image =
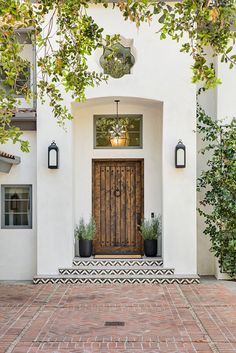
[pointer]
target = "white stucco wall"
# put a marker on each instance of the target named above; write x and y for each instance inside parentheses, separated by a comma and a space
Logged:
(208, 101)
(55, 189)
(206, 261)
(18, 246)
(226, 93)
(160, 73)
(55, 196)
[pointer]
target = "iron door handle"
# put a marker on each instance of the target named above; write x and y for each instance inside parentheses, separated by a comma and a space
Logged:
(117, 193)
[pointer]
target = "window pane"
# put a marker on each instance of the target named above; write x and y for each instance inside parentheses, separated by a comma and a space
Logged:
(17, 206)
(17, 219)
(122, 133)
(134, 139)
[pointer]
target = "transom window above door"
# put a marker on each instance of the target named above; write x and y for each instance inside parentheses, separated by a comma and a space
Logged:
(124, 132)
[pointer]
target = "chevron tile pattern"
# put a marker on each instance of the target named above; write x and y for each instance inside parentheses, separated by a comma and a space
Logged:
(109, 271)
(116, 271)
(106, 280)
(110, 262)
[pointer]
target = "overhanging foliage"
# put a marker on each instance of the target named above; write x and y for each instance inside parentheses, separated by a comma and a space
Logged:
(196, 24)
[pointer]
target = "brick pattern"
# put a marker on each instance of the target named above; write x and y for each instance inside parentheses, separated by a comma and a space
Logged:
(161, 319)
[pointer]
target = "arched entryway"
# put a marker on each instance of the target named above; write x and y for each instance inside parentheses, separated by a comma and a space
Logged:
(118, 186)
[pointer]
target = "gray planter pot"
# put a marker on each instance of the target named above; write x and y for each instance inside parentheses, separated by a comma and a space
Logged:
(150, 248)
(85, 248)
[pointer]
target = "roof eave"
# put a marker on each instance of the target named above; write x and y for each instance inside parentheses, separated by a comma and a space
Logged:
(7, 163)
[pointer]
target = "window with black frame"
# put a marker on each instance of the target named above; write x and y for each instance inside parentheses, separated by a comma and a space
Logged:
(124, 132)
(16, 206)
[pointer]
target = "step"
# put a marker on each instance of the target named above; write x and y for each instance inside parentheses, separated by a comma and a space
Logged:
(105, 279)
(91, 262)
(117, 270)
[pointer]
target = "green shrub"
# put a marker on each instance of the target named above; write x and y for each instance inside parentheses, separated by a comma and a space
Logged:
(218, 186)
(150, 229)
(85, 231)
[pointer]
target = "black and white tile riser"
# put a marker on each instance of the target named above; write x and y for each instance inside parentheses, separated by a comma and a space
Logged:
(121, 271)
(116, 280)
(111, 262)
(109, 271)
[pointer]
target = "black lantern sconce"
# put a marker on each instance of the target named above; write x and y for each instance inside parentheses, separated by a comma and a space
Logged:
(53, 152)
(180, 155)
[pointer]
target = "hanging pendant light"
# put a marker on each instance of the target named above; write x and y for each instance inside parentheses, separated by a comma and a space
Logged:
(118, 136)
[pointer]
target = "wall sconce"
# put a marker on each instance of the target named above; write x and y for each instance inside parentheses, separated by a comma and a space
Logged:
(180, 155)
(53, 152)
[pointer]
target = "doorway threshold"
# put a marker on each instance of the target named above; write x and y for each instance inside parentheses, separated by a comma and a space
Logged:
(117, 256)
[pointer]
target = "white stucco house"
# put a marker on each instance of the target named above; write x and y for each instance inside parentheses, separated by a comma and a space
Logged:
(41, 206)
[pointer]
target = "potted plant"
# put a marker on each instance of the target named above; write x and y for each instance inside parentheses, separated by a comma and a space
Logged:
(150, 230)
(85, 232)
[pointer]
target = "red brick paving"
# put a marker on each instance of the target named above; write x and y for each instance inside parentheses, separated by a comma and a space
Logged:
(158, 319)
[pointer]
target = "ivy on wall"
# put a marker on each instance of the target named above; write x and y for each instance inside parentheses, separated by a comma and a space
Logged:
(218, 183)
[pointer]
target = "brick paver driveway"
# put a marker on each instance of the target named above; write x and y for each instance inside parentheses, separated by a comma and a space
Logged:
(154, 318)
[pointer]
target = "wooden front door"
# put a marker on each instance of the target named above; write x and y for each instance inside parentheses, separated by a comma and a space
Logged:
(118, 205)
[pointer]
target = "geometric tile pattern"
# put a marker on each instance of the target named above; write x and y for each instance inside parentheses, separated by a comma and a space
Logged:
(109, 262)
(109, 280)
(117, 271)
(122, 271)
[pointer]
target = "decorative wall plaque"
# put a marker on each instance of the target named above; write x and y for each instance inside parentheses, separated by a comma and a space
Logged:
(117, 61)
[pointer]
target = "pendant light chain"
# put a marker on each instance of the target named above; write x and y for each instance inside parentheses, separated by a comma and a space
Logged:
(117, 131)
(117, 114)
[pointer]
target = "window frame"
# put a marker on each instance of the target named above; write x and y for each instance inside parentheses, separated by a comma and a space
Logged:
(107, 116)
(3, 187)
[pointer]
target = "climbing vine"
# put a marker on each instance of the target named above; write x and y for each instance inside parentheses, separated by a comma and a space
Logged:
(196, 24)
(218, 182)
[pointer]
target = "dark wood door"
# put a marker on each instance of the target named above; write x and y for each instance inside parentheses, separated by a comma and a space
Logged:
(118, 205)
